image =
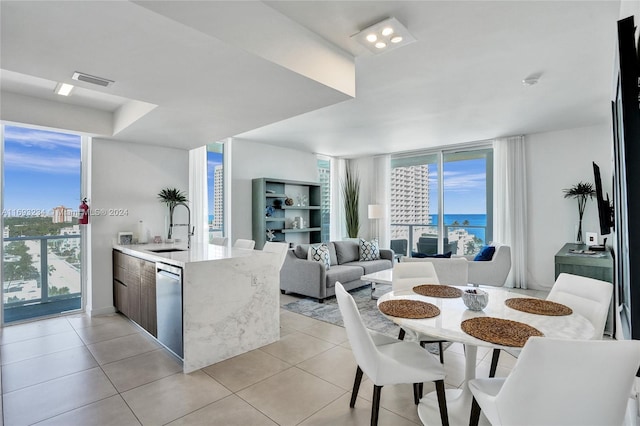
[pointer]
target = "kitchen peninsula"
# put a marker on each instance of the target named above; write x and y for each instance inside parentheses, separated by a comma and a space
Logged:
(230, 297)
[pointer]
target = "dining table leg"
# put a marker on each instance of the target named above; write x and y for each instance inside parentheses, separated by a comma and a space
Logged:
(458, 400)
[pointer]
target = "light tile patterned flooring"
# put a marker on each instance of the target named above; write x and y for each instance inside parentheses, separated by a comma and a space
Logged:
(77, 370)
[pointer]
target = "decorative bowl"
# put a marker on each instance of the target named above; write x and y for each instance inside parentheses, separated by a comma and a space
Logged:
(475, 299)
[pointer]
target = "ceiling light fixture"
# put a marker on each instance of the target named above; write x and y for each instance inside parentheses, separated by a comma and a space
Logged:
(63, 89)
(384, 36)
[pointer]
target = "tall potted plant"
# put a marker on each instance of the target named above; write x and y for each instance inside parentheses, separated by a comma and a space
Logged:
(351, 196)
(171, 197)
(580, 191)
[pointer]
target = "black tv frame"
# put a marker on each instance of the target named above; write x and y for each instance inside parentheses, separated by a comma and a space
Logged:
(626, 180)
(605, 211)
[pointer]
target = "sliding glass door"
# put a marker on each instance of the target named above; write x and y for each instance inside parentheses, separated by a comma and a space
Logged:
(41, 256)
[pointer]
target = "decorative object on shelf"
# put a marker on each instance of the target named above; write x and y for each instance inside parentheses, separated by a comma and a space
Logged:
(580, 191)
(270, 234)
(351, 195)
(268, 211)
(288, 201)
(304, 200)
(270, 191)
(172, 197)
(298, 200)
(294, 225)
(299, 222)
(277, 203)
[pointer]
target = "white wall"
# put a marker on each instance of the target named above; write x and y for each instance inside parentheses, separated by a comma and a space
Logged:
(255, 160)
(127, 176)
(555, 161)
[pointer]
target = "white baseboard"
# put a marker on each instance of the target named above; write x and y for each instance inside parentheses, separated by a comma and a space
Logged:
(101, 311)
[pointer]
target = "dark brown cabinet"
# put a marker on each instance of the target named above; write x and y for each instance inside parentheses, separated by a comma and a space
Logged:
(134, 290)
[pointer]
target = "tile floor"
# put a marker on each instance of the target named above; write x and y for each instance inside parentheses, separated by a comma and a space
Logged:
(77, 370)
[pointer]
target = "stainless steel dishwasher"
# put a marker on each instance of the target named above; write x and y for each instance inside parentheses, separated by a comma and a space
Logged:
(169, 306)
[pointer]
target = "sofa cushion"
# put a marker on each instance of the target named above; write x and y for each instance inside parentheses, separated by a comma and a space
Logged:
(319, 253)
(486, 254)
(370, 266)
(332, 254)
(369, 250)
(347, 251)
(343, 273)
(302, 251)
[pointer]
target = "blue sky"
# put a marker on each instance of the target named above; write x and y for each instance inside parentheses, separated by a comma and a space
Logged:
(41, 169)
(465, 189)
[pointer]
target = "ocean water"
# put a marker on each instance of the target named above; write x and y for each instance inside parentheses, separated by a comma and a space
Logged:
(474, 220)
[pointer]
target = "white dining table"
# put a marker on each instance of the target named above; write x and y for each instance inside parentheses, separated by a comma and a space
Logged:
(447, 327)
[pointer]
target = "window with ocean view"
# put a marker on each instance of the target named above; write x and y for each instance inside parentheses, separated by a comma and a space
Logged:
(215, 185)
(41, 258)
(463, 180)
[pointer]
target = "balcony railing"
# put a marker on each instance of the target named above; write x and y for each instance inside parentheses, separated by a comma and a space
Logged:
(463, 239)
(42, 276)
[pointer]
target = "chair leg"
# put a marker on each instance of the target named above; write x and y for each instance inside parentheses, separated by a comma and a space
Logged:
(416, 393)
(375, 405)
(475, 413)
(442, 402)
(494, 362)
(401, 335)
(356, 387)
(441, 352)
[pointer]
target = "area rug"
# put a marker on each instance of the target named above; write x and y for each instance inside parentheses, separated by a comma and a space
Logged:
(371, 316)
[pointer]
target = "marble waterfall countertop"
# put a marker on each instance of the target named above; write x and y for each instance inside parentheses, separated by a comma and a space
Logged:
(230, 298)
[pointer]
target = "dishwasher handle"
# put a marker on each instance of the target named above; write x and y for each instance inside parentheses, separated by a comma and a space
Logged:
(168, 270)
(169, 275)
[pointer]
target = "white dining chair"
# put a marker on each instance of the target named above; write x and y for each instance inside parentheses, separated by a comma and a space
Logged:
(279, 248)
(219, 241)
(561, 382)
(387, 361)
(405, 276)
(585, 296)
(244, 244)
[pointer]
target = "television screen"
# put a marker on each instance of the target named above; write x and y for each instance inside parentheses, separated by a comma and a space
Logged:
(604, 206)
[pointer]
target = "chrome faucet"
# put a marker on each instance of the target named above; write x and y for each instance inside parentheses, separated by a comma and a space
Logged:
(190, 231)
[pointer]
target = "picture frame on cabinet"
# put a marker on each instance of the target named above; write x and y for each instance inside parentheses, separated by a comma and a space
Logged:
(125, 238)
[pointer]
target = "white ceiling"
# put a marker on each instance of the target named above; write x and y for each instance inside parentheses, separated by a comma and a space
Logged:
(217, 69)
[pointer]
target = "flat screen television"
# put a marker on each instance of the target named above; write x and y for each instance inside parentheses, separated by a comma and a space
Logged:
(605, 212)
(626, 182)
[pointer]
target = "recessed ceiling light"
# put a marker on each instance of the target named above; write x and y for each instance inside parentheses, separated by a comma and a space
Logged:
(531, 80)
(396, 38)
(372, 38)
(387, 31)
(63, 89)
(381, 45)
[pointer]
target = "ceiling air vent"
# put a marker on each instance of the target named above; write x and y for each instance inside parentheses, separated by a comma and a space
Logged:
(80, 76)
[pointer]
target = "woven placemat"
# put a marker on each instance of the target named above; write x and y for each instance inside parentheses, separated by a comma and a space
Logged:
(538, 306)
(405, 308)
(433, 290)
(499, 331)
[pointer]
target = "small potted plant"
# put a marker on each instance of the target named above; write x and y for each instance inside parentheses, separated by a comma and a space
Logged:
(171, 197)
(580, 191)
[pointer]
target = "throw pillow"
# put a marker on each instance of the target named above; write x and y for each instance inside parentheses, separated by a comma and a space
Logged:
(485, 254)
(320, 254)
(369, 250)
(446, 255)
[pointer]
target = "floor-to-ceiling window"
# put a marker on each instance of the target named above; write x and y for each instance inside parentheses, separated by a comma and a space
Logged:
(441, 201)
(324, 177)
(215, 184)
(41, 261)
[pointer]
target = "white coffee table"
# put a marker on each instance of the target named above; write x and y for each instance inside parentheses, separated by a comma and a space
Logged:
(384, 278)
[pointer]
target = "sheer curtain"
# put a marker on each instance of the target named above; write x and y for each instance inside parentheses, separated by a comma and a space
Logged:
(381, 194)
(198, 197)
(336, 218)
(510, 204)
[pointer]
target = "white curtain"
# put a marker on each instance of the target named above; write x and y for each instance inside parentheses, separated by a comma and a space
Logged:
(336, 218)
(198, 197)
(510, 204)
(381, 194)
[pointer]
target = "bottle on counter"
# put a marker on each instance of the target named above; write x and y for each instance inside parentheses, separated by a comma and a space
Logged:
(142, 233)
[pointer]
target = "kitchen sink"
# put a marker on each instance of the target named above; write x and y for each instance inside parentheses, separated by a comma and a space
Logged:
(166, 250)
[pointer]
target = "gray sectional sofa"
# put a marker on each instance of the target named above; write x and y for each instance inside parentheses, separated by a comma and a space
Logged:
(309, 278)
